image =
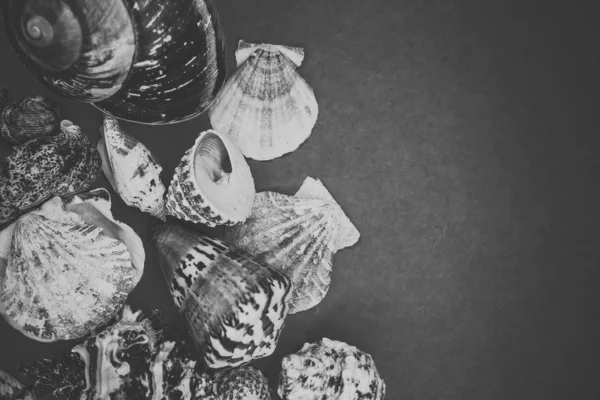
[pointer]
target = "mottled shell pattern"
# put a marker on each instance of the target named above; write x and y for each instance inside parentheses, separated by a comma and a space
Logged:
(331, 370)
(265, 107)
(233, 306)
(59, 165)
(64, 270)
(128, 359)
(28, 118)
(212, 184)
(131, 169)
(299, 235)
(12, 389)
(242, 383)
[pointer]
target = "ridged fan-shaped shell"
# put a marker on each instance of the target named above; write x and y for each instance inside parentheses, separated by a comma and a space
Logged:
(332, 370)
(244, 382)
(265, 107)
(28, 118)
(12, 389)
(298, 235)
(63, 276)
(59, 165)
(131, 169)
(212, 184)
(234, 307)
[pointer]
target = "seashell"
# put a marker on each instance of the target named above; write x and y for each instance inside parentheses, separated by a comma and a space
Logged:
(60, 165)
(12, 389)
(330, 370)
(213, 184)
(27, 119)
(299, 235)
(266, 107)
(127, 359)
(67, 268)
(143, 61)
(131, 170)
(244, 382)
(233, 306)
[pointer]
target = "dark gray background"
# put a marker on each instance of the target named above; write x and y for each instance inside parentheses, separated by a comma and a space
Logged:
(461, 137)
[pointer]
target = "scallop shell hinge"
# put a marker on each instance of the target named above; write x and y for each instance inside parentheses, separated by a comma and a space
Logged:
(298, 234)
(266, 107)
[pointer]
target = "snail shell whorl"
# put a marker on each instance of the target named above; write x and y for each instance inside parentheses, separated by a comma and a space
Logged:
(82, 49)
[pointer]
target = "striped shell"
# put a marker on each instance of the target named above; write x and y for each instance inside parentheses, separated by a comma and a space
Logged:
(60, 165)
(213, 184)
(331, 370)
(243, 382)
(28, 118)
(265, 107)
(67, 270)
(12, 389)
(131, 169)
(299, 235)
(234, 307)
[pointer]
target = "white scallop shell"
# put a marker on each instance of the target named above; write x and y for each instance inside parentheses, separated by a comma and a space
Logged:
(266, 107)
(332, 370)
(299, 235)
(67, 269)
(212, 184)
(131, 169)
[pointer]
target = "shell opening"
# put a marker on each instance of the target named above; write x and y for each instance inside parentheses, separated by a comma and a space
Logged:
(212, 158)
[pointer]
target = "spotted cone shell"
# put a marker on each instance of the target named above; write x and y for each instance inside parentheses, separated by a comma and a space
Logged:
(266, 107)
(332, 370)
(213, 184)
(234, 307)
(299, 235)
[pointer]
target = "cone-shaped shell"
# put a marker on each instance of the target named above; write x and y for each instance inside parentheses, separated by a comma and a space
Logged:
(244, 382)
(234, 307)
(331, 370)
(60, 165)
(212, 184)
(12, 389)
(28, 118)
(131, 169)
(298, 234)
(266, 107)
(64, 276)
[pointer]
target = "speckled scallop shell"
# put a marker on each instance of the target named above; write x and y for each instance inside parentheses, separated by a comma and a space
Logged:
(128, 359)
(12, 389)
(242, 383)
(299, 235)
(266, 107)
(28, 118)
(213, 184)
(67, 269)
(131, 169)
(331, 370)
(233, 306)
(59, 165)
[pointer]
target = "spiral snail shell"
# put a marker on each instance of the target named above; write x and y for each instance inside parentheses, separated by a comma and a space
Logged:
(152, 62)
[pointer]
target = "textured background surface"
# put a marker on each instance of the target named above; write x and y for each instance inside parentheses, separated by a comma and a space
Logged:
(461, 137)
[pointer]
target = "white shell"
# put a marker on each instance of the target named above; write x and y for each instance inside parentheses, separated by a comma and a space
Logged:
(213, 184)
(67, 269)
(266, 107)
(299, 235)
(131, 169)
(332, 370)
(12, 389)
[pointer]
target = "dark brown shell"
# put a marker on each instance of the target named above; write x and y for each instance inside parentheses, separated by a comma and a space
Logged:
(28, 118)
(151, 62)
(59, 165)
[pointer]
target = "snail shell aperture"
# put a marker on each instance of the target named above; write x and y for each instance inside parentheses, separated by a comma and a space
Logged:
(142, 61)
